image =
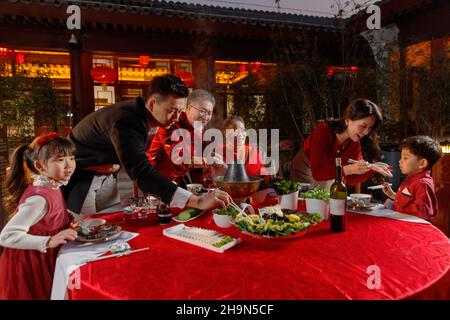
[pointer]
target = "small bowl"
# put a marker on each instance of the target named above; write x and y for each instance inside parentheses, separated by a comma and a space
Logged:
(361, 199)
(222, 220)
(89, 227)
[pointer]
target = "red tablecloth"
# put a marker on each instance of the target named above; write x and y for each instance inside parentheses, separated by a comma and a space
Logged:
(414, 260)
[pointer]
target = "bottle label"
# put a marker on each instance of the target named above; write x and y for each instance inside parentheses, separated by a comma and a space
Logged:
(337, 207)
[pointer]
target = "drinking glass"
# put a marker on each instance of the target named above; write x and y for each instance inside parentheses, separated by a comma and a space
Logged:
(142, 208)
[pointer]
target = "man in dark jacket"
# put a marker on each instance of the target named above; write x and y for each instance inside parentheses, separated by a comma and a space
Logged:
(119, 135)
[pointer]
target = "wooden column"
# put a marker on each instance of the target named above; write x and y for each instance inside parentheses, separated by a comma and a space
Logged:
(205, 78)
(81, 81)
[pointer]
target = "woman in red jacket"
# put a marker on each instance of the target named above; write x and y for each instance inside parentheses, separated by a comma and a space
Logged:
(315, 163)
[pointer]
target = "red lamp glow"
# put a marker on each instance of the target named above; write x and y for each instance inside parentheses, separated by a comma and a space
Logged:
(144, 60)
(187, 77)
(5, 51)
(104, 74)
(20, 58)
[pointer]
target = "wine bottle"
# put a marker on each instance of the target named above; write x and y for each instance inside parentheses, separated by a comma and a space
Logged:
(338, 201)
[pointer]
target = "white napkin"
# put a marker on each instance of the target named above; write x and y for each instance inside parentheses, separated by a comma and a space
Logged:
(72, 255)
(381, 211)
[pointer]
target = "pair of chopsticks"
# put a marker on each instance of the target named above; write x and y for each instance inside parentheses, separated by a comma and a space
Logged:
(119, 254)
(376, 164)
(234, 205)
(380, 186)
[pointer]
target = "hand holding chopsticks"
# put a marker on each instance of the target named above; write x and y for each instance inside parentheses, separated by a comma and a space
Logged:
(382, 168)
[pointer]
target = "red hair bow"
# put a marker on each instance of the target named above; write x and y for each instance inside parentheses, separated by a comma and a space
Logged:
(45, 139)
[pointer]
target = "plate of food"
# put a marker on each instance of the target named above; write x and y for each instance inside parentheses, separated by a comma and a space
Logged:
(276, 224)
(102, 233)
(188, 215)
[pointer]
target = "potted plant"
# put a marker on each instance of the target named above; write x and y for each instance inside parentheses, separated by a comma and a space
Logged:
(288, 192)
(317, 201)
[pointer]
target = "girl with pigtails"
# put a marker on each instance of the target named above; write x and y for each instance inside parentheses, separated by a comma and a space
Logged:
(39, 223)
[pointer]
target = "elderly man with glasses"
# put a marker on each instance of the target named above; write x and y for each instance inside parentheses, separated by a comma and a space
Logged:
(200, 107)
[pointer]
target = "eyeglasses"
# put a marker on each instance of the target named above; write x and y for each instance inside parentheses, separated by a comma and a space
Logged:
(202, 112)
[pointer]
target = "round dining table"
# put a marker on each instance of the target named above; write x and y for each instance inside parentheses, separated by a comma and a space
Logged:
(375, 258)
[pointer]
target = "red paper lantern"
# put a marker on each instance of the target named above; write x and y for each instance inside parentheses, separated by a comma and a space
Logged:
(144, 60)
(330, 72)
(20, 58)
(104, 74)
(187, 77)
(242, 68)
(354, 69)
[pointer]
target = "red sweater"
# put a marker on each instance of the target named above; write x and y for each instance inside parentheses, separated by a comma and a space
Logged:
(162, 145)
(416, 196)
(322, 149)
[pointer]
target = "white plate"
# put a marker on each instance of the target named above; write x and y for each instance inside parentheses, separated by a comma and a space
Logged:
(199, 237)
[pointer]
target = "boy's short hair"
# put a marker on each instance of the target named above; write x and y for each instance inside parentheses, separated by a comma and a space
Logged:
(167, 85)
(423, 147)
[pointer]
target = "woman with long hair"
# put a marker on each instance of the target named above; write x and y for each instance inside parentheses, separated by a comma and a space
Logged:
(341, 138)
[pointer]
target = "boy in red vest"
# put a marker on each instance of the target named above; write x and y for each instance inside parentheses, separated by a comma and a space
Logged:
(416, 194)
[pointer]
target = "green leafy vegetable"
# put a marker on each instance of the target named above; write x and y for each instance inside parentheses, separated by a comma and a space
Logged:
(286, 187)
(321, 194)
(230, 211)
(293, 223)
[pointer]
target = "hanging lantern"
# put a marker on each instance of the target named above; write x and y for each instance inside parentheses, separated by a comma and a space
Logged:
(330, 72)
(104, 75)
(242, 68)
(187, 77)
(144, 60)
(20, 58)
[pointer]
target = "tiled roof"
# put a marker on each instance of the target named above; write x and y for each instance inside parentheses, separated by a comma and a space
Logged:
(196, 11)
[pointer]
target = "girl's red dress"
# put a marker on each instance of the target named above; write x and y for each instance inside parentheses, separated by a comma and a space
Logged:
(28, 274)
